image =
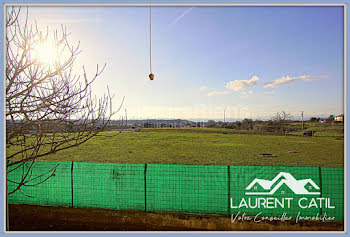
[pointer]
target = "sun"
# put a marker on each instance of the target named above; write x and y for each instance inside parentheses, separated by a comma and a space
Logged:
(45, 52)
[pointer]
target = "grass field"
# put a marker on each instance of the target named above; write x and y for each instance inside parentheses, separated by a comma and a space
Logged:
(324, 130)
(200, 146)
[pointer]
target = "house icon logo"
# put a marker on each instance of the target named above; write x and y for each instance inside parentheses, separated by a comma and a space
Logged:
(267, 187)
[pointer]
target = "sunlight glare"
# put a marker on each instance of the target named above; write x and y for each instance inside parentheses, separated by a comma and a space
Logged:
(46, 52)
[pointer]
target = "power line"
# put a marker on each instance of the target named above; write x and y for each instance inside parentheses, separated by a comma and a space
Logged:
(225, 114)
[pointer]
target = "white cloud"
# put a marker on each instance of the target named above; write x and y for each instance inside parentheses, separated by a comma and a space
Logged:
(269, 92)
(245, 94)
(288, 80)
(203, 88)
(214, 93)
(238, 85)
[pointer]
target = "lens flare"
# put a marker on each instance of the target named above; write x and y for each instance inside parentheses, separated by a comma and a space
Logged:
(46, 52)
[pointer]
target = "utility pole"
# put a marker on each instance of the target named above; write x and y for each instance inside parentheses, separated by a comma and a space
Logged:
(302, 120)
(225, 114)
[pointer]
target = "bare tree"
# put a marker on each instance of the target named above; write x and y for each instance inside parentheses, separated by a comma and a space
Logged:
(49, 108)
(281, 118)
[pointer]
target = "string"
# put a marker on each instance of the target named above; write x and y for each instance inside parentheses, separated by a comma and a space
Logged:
(150, 41)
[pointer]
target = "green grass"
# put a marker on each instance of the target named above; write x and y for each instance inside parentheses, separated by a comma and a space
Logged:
(176, 147)
(211, 130)
(324, 129)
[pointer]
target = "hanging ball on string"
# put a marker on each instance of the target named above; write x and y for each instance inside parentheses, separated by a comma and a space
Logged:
(151, 76)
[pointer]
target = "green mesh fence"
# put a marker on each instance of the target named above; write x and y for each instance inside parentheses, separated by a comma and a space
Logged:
(104, 185)
(332, 179)
(187, 188)
(210, 189)
(285, 180)
(54, 190)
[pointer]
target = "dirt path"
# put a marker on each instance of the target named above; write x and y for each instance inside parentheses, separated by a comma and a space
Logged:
(53, 218)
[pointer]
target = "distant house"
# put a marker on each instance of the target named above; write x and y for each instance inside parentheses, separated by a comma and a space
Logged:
(322, 120)
(339, 118)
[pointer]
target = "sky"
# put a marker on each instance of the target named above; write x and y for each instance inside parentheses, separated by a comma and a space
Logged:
(251, 62)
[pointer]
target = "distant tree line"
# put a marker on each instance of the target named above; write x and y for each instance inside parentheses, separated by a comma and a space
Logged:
(329, 119)
(281, 123)
(275, 126)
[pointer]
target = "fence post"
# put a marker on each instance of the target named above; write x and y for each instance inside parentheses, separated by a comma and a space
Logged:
(71, 172)
(320, 176)
(145, 187)
(229, 189)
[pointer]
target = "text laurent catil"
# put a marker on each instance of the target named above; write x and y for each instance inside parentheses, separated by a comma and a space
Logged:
(262, 202)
